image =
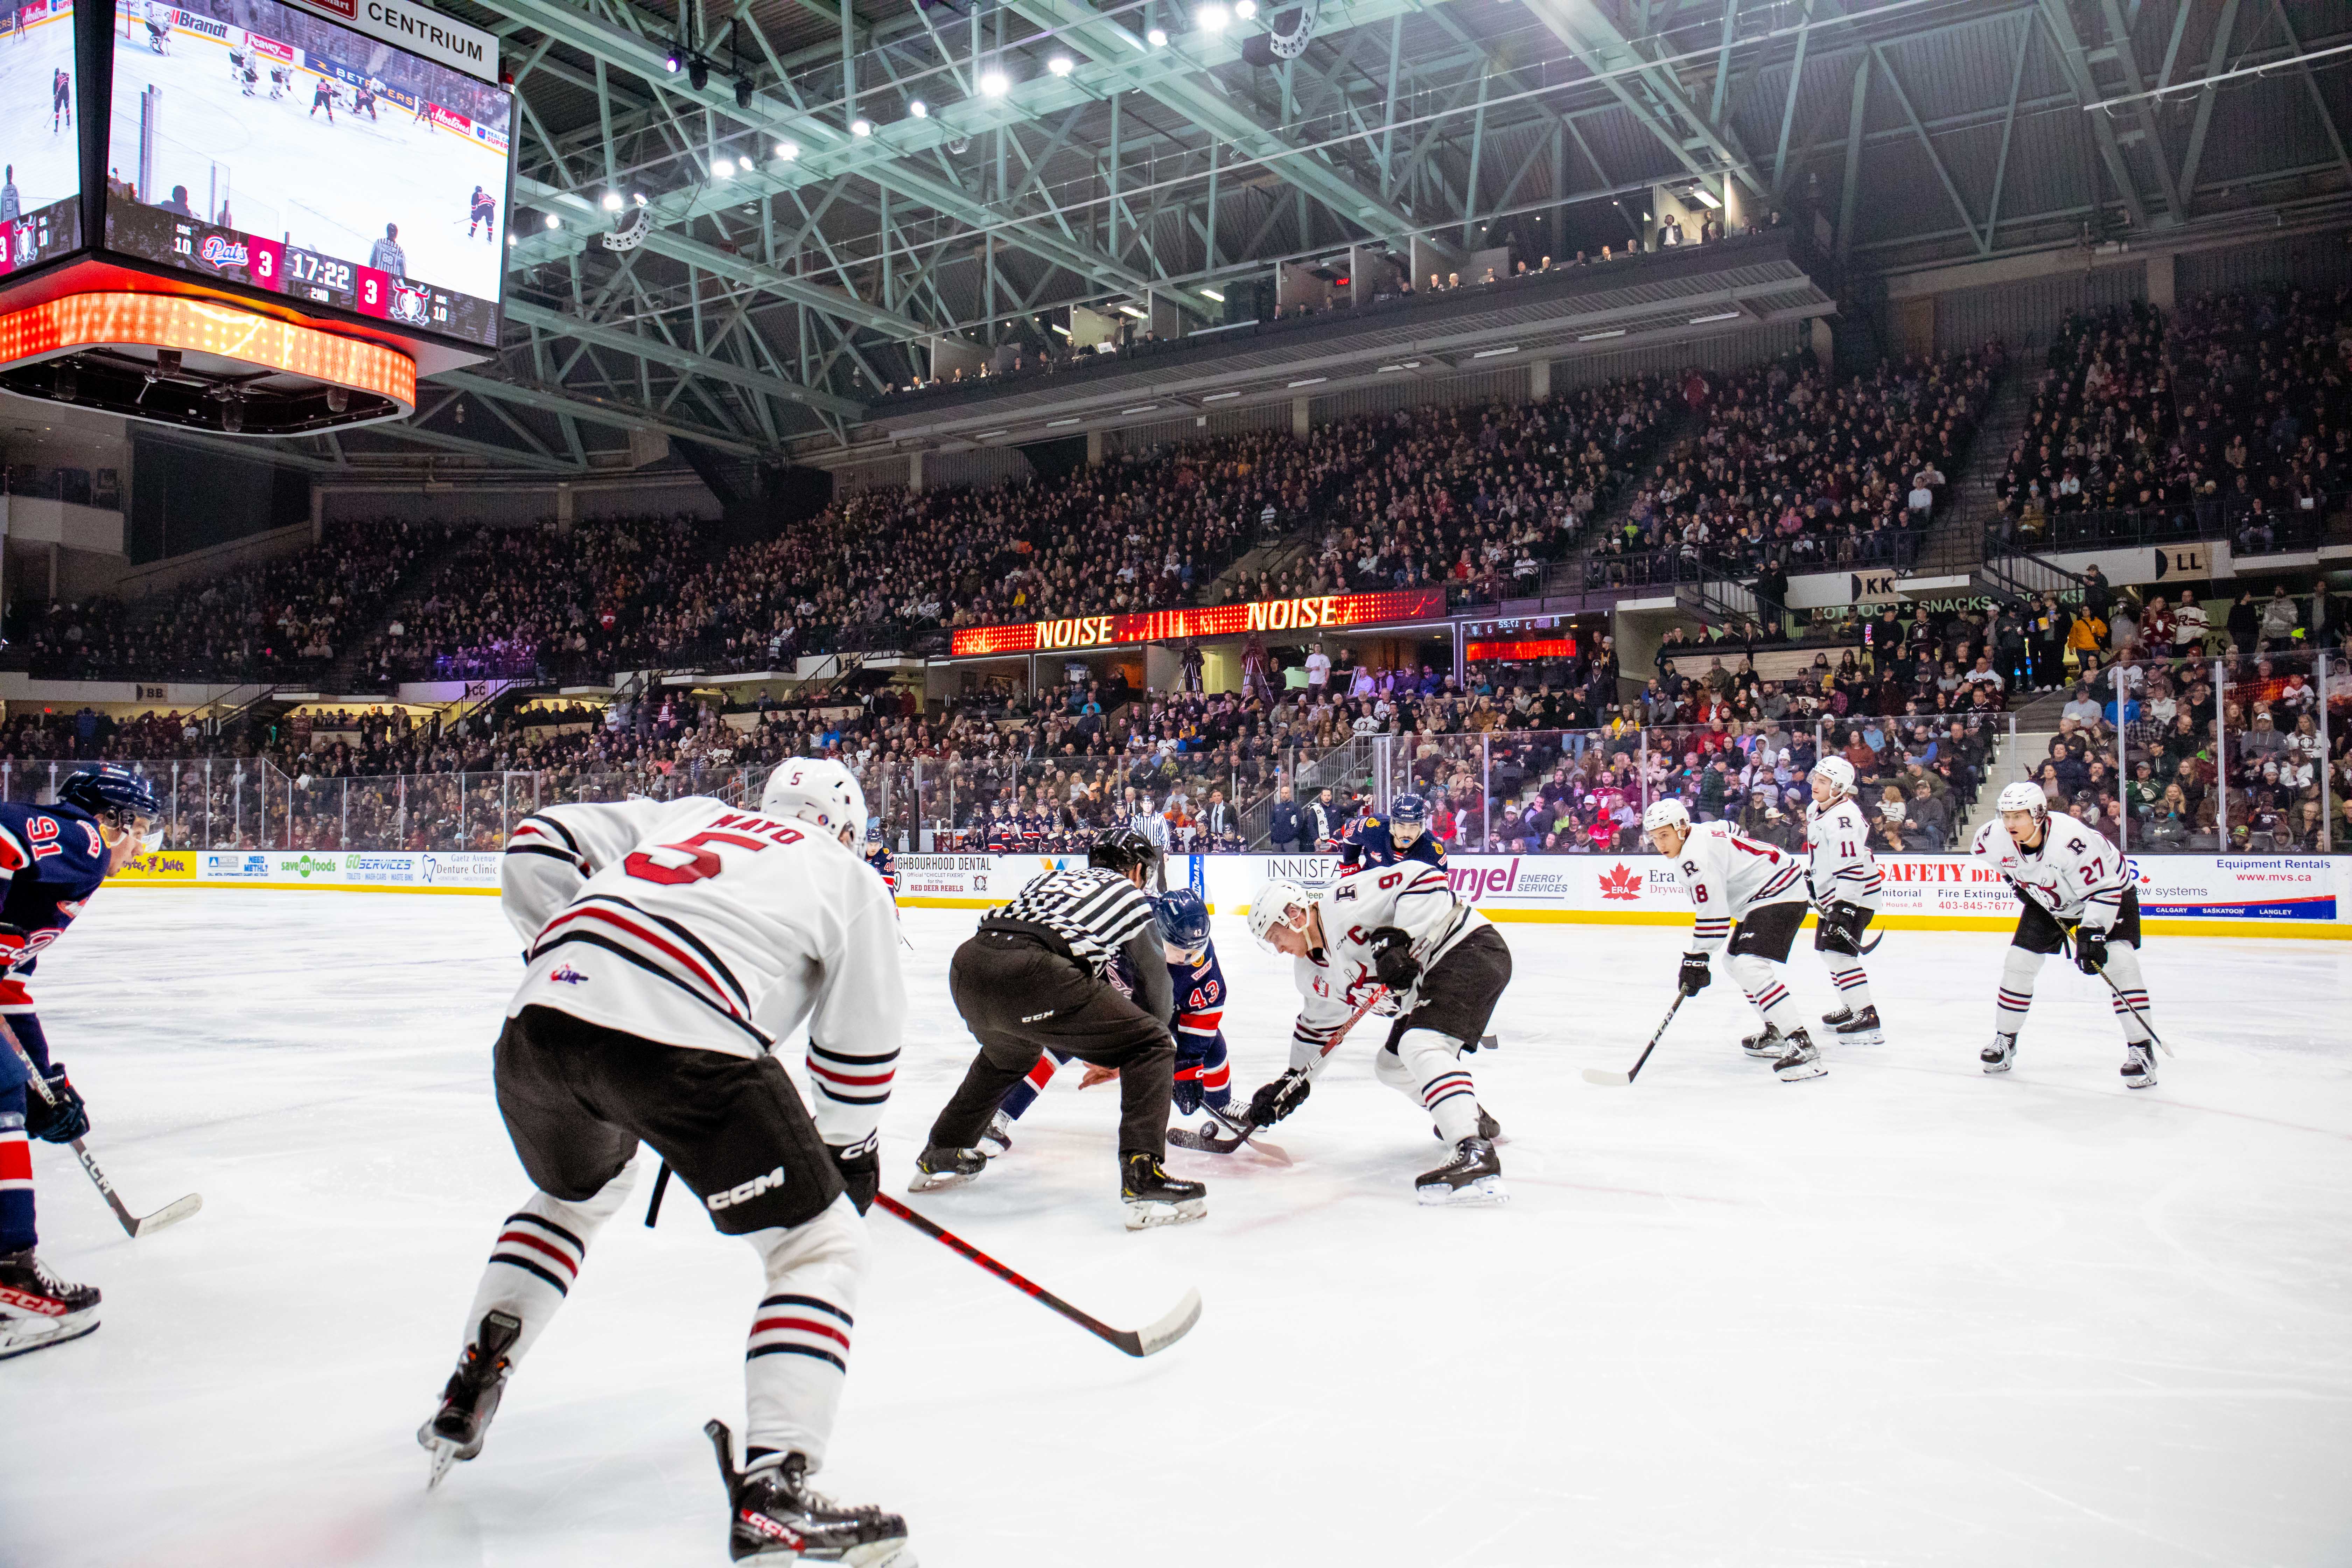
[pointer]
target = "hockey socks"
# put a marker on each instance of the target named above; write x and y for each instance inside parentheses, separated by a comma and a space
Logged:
(2130, 994)
(1427, 1067)
(2018, 971)
(538, 1254)
(17, 1227)
(1023, 1095)
(1760, 979)
(798, 1352)
(1852, 983)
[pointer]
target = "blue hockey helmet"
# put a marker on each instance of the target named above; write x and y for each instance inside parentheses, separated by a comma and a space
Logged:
(114, 796)
(1411, 813)
(1182, 917)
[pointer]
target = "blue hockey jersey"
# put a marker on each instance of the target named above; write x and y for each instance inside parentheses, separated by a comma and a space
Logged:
(53, 858)
(1366, 841)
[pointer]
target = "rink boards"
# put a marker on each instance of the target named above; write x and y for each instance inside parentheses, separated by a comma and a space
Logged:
(2181, 895)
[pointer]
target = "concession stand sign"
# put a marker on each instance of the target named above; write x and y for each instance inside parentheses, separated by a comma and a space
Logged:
(1312, 613)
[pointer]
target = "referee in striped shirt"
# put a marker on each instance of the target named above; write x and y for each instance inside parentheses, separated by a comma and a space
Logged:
(1037, 975)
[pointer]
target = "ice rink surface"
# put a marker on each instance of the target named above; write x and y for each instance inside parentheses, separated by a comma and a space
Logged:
(1902, 1314)
(47, 161)
(288, 173)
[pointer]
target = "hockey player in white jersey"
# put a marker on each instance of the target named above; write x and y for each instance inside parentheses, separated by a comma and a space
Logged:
(1397, 929)
(2071, 880)
(1845, 882)
(1750, 899)
(671, 945)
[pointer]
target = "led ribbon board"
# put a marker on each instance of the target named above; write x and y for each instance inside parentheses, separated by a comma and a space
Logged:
(105, 321)
(1314, 612)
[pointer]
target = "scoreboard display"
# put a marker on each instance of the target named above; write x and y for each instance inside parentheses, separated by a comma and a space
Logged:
(271, 149)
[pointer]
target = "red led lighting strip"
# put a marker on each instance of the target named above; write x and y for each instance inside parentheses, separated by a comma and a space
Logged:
(1311, 612)
(205, 326)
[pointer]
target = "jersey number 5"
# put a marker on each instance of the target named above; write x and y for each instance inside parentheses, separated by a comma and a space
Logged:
(701, 861)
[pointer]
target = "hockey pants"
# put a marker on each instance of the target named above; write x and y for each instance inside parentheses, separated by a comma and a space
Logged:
(19, 1231)
(798, 1352)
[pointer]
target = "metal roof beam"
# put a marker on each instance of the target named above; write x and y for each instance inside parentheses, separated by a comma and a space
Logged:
(2055, 17)
(623, 340)
(594, 410)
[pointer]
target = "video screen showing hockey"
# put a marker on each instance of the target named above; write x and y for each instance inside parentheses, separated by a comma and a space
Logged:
(40, 212)
(261, 146)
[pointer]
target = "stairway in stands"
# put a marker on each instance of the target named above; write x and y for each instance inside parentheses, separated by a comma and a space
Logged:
(348, 671)
(1956, 542)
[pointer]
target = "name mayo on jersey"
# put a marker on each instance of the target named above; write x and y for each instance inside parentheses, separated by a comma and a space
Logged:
(1842, 867)
(1727, 875)
(695, 923)
(1417, 899)
(2075, 873)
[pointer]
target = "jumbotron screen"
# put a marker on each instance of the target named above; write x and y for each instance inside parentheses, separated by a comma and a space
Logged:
(263, 146)
(40, 199)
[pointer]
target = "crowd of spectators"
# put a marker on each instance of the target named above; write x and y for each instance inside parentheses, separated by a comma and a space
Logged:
(2228, 420)
(283, 619)
(1788, 471)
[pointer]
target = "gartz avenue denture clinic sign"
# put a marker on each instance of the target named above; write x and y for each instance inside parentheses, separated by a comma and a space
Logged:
(1310, 614)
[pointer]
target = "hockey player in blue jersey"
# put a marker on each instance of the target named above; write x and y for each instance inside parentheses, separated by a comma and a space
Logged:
(884, 864)
(1198, 984)
(52, 858)
(1404, 836)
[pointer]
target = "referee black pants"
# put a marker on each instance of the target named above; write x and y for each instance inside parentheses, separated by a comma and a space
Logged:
(1020, 998)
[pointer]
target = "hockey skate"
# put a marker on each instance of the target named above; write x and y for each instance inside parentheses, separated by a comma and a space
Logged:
(937, 1167)
(776, 1516)
(2139, 1065)
(1771, 1045)
(38, 1310)
(1861, 1028)
(1489, 1127)
(998, 1140)
(1997, 1056)
(1474, 1175)
(472, 1397)
(1802, 1062)
(1153, 1197)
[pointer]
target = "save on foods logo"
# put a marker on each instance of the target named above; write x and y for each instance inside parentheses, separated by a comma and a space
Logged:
(1618, 882)
(305, 868)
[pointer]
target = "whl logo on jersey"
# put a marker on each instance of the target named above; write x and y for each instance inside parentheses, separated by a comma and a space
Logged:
(745, 1192)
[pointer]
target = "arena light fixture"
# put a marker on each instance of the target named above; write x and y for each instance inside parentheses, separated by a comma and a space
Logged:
(723, 167)
(673, 60)
(1158, 38)
(1496, 354)
(1061, 65)
(1717, 316)
(1704, 197)
(612, 201)
(1212, 18)
(1311, 381)
(1132, 311)
(554, 222)
(1140, 409)
(1244, 9)
(1057, 424)
(985, 435)
(697, 73)
(787, 151)
(742, 92)
(1596, 337)
(861, 126)
(1219, 396)
(995, 83)
(1213, 294)
(919, 109)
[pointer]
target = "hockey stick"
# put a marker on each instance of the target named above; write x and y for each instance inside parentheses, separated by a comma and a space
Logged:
(2131, 1006)
(1243, 1128)
(1619, 1080)
(1150, 1340)
(653, 1204)
(133, 1224)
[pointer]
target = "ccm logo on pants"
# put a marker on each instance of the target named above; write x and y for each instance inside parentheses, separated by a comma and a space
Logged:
(747, 1191)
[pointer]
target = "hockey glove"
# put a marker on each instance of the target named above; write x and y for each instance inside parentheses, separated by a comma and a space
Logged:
(1837, 922)
(1186, 1092)
(59, 1122)
(1697, 974)
(1392, 958)
(2090, 949)
(1275, 1100)
(860, 1166)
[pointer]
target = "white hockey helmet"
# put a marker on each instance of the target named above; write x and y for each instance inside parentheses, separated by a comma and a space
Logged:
(1669, 812)
(817, 790)
(1837, 774)
(1278, 903)
(2024, 796)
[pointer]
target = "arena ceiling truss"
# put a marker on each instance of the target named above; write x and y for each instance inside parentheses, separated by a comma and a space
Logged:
(823, 190)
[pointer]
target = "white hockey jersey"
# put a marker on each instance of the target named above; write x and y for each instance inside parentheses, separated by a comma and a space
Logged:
(1727, 877)
(1844, 868)
(1416, 899)
(700, 924)
(2076, 874)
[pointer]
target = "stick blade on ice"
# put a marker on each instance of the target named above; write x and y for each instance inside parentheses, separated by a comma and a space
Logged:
(171, 1213)
(1604, 1077)
(1154, 1338)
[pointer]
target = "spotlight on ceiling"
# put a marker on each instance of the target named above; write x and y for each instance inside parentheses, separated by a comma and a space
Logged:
(1061, 65)
(1212, 18)
(995, 83)
(1158, 38)
(919, 109)
(742, 92)
(673, 60)
(1244, 9)
(612, 201)
(554, 222)
(723, 167)
(861, 126)
(788, 151)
